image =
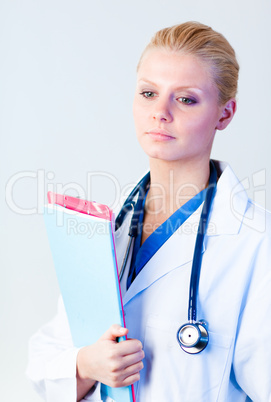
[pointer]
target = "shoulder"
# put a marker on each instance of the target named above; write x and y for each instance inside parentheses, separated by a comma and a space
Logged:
(233, 210)
(241, 227)
(259, 217)
(238, 221)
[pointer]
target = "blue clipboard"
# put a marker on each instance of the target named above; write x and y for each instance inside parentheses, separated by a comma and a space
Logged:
(81, 238)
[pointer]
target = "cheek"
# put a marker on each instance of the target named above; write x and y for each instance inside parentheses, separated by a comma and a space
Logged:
(139, 115)
(135, 111)
(200, 123)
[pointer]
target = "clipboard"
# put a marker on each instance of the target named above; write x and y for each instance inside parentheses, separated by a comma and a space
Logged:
(81, 238)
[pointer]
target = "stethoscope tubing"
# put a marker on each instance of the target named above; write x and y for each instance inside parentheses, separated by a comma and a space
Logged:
(193, 337)
(125, 258)
(129, 204)
(197, 257)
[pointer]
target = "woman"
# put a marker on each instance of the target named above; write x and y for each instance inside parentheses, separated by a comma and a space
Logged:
(186, 90)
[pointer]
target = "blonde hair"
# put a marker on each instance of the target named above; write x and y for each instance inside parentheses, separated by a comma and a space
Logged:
(202, 41)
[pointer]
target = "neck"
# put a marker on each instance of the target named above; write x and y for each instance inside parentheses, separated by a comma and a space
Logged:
(174, 183)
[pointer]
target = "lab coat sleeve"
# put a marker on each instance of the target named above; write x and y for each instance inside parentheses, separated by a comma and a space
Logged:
(252, 357)
(52, 362)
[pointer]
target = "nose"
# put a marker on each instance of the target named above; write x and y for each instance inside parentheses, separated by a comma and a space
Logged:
(162, 111)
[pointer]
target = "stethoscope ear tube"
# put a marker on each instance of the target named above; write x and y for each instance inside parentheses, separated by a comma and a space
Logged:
(128, 204)
(125, 258)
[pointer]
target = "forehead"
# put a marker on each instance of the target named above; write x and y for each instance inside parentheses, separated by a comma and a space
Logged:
(174, 67)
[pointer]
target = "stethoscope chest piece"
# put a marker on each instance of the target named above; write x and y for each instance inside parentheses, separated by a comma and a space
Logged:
(193, 337)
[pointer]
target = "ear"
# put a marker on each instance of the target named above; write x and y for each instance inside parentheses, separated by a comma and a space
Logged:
(227, 113)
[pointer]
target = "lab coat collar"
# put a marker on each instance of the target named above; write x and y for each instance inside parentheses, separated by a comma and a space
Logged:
(226, 217)
(229, 205)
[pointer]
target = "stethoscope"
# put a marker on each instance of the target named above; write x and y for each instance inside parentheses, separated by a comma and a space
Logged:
(193, 336)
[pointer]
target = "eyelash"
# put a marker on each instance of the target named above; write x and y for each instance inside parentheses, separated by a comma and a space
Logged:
(144, 94)
(184, 98)
(190, 101)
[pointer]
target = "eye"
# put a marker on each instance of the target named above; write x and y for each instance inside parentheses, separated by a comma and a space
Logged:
(186, 101)
(147, 94)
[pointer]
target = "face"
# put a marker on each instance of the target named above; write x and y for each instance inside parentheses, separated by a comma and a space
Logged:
(176, 109)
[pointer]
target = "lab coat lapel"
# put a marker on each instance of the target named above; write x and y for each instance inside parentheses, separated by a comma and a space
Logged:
(226, 217)
(175, 252)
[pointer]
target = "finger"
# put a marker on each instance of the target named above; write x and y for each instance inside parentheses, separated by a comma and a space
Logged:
(124, 362)
(133, 369)
(131, 379)
(132, 359)
(129, 347)
(114, 332)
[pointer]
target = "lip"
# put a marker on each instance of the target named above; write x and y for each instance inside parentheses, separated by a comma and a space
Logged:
(159, 134)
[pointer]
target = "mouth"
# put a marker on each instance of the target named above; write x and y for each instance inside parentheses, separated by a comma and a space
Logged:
(160, 134)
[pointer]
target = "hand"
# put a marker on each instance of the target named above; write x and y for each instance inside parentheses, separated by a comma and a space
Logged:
(113, 363)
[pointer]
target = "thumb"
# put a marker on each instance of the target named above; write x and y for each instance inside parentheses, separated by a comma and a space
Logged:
(115, 331)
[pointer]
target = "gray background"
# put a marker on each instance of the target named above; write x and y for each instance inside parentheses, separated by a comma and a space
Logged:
(67, 76)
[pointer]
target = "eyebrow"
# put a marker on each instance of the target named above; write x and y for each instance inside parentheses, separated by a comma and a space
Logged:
(176, 89)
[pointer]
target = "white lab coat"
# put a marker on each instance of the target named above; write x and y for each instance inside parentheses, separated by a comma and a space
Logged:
(234, 299)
